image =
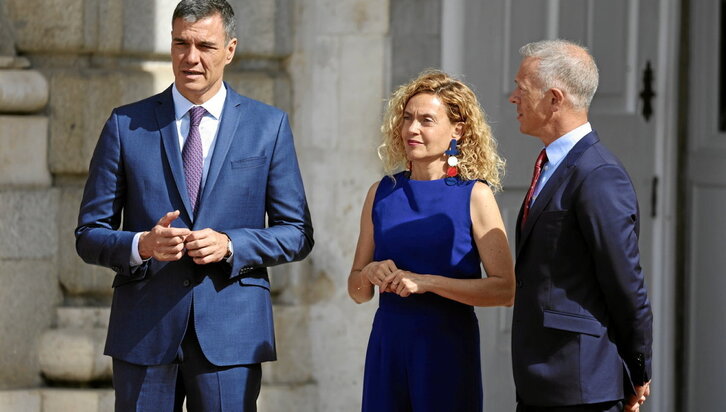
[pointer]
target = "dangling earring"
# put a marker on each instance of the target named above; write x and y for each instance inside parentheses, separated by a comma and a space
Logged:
(452, 161)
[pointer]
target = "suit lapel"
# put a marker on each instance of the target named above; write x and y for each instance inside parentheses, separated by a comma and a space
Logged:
(228, 129)
(550, 188)
(165, 116)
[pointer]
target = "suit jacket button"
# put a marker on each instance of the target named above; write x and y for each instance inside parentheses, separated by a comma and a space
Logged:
(186, 283)
(519, 283)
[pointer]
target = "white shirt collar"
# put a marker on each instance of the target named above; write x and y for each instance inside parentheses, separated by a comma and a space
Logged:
(558, 149)
(213, 106)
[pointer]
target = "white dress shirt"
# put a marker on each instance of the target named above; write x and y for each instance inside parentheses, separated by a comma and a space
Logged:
(208, 128)
(556, 152)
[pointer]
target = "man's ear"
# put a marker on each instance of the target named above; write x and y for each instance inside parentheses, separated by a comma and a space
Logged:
(231, 47)
(556, 98)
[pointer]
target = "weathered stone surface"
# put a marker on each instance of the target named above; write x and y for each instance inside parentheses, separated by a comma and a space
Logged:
(74, 355)
(258, 27)
(20, 400)
(352, 17)
(28, 297)
(258, 86)
(27, 218)
(276, 398)
(83, 317)
(339, 329)
(358, 89)
(293, 364)
(77, 277)
(24, 154)
(81, 102)
(22, 91)
(43, 25)
(77, 400)
(7, 46)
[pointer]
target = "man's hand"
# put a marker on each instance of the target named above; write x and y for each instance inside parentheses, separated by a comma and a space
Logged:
(632, 404)
(163, 242)
(206, 246)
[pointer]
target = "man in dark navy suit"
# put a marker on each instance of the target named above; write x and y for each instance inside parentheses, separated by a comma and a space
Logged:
(582, 323)
(207, 185)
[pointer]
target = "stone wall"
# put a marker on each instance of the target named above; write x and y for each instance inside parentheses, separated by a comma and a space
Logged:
(70, 62)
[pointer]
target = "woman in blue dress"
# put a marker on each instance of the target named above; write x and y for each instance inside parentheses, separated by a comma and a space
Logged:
(425, 233)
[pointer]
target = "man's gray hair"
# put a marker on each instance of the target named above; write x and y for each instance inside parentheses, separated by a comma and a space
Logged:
(566, 66)
(193, 10)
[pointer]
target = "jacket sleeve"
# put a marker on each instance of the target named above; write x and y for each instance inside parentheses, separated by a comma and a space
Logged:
(289, 233)
(97, 239)
(607, 212)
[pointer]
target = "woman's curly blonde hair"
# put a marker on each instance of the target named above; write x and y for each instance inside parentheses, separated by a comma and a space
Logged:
(478, 159)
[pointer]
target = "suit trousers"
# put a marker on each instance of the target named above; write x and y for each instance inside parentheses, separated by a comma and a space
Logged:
(614, 406)
(206, 387)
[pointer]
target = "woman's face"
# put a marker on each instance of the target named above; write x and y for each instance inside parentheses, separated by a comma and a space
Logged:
(426, 129)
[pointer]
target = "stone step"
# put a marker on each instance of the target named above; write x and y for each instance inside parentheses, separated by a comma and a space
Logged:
(56, 400)
(273, 398)
(73, 352)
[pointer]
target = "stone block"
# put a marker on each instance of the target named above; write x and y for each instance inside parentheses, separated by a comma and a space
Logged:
(275, 398)
(258, 86)
(262, 27)
(24, 154)
(22, 91)
(83, 317)
(45, 25)
(81, 102)
(74, 355)
(339, 329)
(20, 400)
(77, 400)
(362, 80)
(293, 364)
(76, 276)
(28, 221)
(147, 26)
(352, 17)
(28, 297)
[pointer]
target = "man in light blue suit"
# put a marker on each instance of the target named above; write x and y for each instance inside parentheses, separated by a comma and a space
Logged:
(207, 186)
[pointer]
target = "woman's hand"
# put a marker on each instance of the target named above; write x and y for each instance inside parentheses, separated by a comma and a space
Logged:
(404, 283)
(379, 273)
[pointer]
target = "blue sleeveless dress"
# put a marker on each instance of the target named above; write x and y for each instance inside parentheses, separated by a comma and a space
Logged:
(423, 352)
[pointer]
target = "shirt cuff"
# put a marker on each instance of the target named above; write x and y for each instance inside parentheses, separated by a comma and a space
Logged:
(231, 251)
(135, 255)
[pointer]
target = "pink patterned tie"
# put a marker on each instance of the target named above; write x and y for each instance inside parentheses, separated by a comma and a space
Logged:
(192, 156)
(541, 160)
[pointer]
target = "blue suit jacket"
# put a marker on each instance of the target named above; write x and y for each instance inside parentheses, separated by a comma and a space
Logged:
(136, 176)
(582, 323)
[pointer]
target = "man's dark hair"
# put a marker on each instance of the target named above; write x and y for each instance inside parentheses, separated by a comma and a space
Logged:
(193, 10)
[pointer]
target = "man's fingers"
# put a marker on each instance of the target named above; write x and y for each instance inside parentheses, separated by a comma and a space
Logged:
(166, 220)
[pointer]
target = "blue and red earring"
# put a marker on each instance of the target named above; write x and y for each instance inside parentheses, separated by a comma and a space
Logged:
(452, 161)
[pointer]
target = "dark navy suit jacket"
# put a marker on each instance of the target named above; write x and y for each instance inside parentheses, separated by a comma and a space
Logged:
(253, 193)
(582, 323)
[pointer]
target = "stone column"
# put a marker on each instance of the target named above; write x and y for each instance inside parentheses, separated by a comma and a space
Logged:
(340, 73)
(28, 208)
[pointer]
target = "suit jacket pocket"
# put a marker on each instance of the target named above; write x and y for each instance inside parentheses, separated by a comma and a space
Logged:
(571, 322)
(249, 162)
(256, 279)
(120, 279)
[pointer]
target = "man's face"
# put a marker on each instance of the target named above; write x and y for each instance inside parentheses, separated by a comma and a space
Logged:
(532, 107)
(199, 52)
